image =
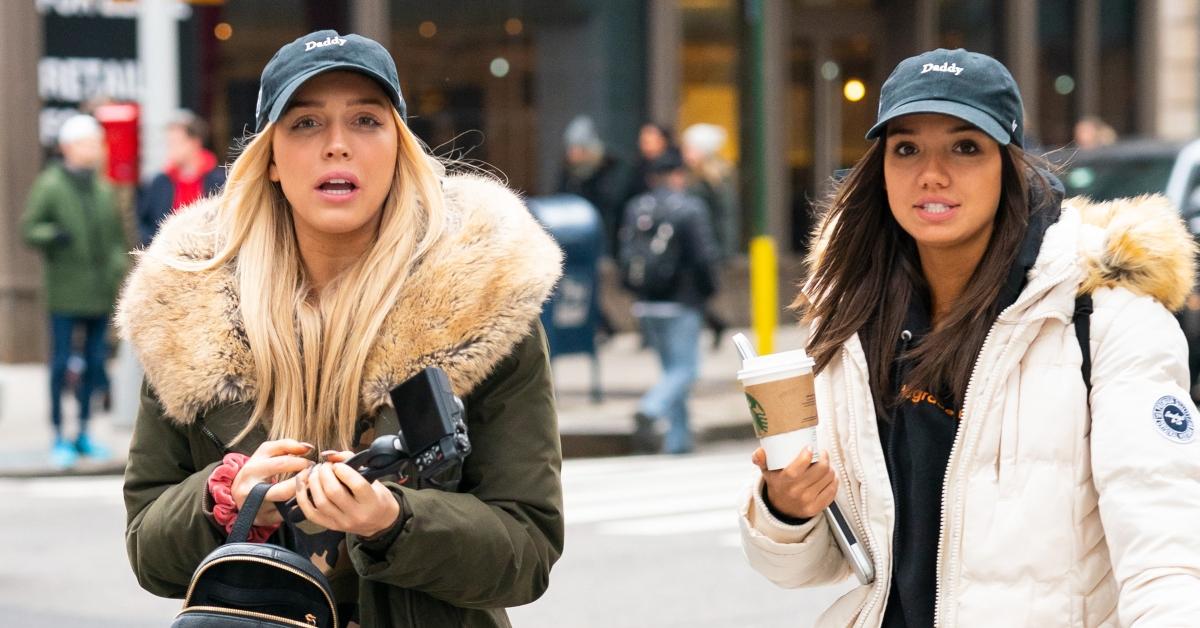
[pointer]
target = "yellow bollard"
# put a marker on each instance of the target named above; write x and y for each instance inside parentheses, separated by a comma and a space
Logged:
(764, 292)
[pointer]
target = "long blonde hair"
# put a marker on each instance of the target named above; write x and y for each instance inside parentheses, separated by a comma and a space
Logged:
(309, 357)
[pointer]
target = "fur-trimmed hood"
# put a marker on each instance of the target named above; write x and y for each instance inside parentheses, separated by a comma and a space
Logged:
(464, 308)
(1140, 244)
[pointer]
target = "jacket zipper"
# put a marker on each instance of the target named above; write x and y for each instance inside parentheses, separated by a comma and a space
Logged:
(881, 575)
(959, 439)
(191, 587)
(220, 610)
(213, 437)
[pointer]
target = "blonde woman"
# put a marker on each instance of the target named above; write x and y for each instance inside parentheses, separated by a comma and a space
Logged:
(273, 320)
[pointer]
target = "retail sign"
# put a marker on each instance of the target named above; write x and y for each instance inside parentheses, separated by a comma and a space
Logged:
(89, 57)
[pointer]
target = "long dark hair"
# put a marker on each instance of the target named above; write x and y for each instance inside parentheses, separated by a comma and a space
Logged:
(864, 270)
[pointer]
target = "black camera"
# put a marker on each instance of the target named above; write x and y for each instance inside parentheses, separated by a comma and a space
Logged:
(432, 438)
(433, 430)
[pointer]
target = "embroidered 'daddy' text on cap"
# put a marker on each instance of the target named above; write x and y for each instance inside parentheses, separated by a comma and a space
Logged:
(967, 85)
(317, 53)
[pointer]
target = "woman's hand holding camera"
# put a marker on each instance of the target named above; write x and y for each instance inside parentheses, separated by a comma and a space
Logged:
(801, 489)
(272, 458)
(335, 496)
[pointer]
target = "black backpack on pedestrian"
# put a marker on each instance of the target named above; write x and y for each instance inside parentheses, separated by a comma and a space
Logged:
(256, 585)
(651, 259)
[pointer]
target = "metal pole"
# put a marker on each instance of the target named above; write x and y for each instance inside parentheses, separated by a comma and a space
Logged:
(1022, 56)
(158, 58)
(1087, 58)
(764, 271)
(372, 18)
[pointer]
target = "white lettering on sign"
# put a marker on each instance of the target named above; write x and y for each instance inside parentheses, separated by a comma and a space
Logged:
(75, 79)
(123, 9)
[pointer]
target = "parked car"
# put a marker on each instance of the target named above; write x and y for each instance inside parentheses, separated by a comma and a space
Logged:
(1134, 167)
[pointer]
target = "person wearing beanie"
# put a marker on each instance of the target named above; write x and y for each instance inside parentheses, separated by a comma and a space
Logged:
(73, 221)
(274, 319)
(191, 173)
(1002, 389)
(591, 171)
(714, 180)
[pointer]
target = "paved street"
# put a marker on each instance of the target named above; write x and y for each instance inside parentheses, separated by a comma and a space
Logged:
(651, 541)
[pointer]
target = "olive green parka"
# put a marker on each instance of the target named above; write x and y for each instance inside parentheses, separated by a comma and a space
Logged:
(470, 307)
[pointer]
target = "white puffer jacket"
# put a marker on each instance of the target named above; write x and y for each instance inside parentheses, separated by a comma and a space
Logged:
(1051, 516)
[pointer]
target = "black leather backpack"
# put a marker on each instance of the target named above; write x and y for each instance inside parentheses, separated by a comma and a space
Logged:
(256, 585)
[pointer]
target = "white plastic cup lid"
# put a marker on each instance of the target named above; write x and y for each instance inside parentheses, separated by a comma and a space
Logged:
(774, 362)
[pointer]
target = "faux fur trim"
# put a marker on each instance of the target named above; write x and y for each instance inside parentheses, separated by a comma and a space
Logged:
(1140, 244)
(464, 307)
(1146, 248)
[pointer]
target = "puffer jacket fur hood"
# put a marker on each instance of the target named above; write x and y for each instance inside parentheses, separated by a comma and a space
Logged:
(1060, 507)
(464, 308)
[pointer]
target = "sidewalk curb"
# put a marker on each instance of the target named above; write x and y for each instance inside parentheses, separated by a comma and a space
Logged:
(114, 467)
(576, 443)
(582, 443)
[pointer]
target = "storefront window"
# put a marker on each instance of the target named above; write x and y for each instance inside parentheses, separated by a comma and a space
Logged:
(835, 82)
(1118, 105)
(709, 92)
(467, 68)
(977, 25)
(1057, 74)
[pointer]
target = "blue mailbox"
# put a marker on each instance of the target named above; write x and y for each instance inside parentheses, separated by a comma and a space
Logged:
(573, 312)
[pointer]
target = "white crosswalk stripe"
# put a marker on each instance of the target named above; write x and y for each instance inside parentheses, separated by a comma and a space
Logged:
(657, 495)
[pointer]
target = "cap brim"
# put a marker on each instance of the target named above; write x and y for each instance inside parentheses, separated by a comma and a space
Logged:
(289, 90)
(979, 119)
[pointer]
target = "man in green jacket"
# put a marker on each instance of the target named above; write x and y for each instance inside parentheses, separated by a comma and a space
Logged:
(72, 218)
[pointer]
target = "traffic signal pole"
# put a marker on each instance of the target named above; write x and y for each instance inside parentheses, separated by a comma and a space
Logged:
(764, 264)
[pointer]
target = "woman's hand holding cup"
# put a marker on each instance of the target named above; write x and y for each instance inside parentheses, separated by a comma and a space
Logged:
(803, 488)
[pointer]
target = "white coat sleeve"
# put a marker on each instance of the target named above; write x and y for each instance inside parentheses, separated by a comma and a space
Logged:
(1144, 465)
(789, 555)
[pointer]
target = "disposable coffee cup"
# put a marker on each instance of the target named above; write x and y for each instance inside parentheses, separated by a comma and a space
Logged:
(783, 404)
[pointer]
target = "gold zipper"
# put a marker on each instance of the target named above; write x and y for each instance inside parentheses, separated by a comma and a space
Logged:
(220, 610)
(332, 606)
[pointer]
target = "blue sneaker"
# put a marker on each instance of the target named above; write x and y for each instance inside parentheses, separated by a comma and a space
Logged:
(63, 454)
(86, 447)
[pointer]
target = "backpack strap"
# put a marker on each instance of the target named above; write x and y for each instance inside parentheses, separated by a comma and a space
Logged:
(247, 513)
(1083, 324)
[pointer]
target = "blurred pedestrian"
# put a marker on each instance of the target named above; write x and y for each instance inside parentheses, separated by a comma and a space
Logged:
(1092, 132)
(191, 173)
(73, 220)
(273, 320)
(714, 181)
(591, 171)
(654, 140)
(667, 260)
(948, 269)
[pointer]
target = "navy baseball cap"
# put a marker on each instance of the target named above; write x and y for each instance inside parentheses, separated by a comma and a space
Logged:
(317, 53)
(967, 85)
